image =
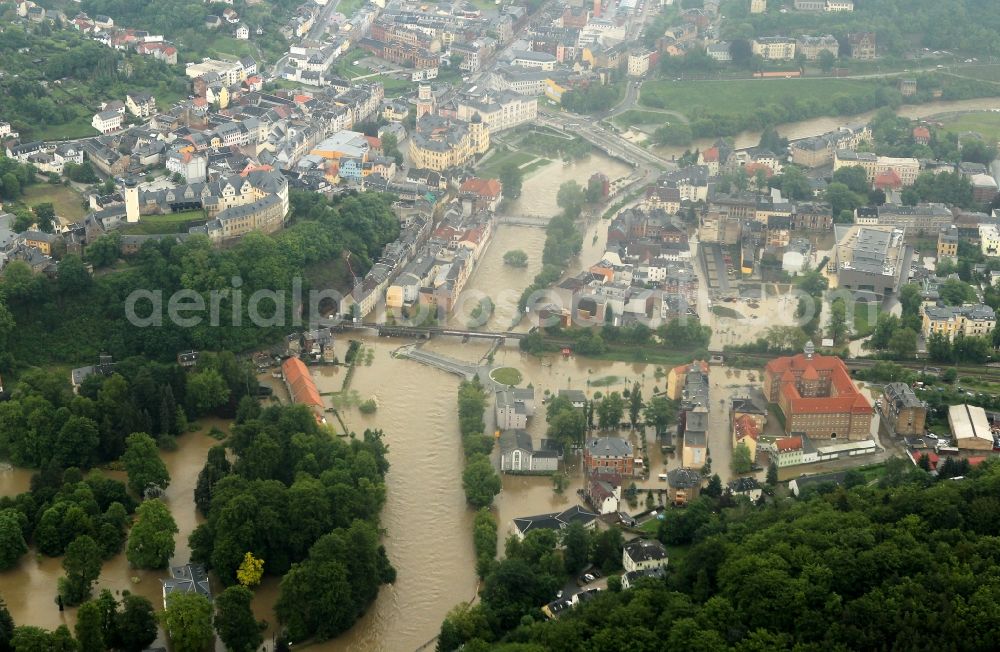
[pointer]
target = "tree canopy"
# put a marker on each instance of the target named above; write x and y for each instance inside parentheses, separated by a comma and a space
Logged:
(857, 567)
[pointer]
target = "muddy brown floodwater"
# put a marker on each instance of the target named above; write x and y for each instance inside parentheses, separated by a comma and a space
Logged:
(538, 194)
(30, 588)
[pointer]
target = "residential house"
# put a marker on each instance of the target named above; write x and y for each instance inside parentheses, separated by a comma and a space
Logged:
(604, 491)
(774, 48)
(107, 122)
(630, 578)
(970, 320)
(484, 194)
(190, 578)
(574, 396)
(607, 453)
(748, 487)
(554, 521)
(746, 432)
(513, 407)
(644, 554)
(787, 451)
(683, 485)
(862, 45)
(518, 455)
(141, 105)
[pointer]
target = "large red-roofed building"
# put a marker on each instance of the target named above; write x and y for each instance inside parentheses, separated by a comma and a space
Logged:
(818, 397)
(301, 386)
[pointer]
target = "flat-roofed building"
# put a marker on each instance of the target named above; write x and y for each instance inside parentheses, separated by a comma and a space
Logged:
(870, 258)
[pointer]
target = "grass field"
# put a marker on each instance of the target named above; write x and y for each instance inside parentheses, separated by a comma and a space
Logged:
(67, 202)
(743, 96)
(170, 223)
(985, 72)
(636, 117)
(345, 64)
(493, 166)
(985, 123)
(349, 7)
(394, 86)
(232, 48)
(507, 376)
(78, 128)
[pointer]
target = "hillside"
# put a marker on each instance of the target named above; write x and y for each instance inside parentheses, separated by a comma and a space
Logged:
(908, 564)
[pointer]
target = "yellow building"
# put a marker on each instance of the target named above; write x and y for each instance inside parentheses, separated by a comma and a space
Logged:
(441, 144)
(746, 432)
(677, 376)
(947, 244)
(969, 320)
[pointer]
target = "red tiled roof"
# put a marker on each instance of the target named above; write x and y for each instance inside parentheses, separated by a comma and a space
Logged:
(711, 154)
(930, 456)
(683, 368)
(300, 383)
(789, 444)
(844, 396)
(751, 169)
(921, 132)
(746, 426)
(482, 187)
(888, 179)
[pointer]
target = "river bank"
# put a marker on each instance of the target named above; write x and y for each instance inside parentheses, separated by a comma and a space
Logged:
(817, 126)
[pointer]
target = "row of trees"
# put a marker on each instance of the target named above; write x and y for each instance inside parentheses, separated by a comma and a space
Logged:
(130, 625)
(563, 240)
(479, 479)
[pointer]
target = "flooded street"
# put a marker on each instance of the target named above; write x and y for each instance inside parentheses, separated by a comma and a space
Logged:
(499, 282)
(538, 193)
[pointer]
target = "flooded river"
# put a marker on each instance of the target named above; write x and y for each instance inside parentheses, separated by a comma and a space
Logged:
(427, 522)
(538, 193)
(817, 126)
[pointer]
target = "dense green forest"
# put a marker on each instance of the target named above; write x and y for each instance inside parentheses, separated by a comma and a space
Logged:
(75, 317)
(909, 562)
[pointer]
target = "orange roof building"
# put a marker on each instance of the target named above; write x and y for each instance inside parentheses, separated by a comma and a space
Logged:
(746, 432)
(818, 397)
(888, 180)
(677, 376)
(486, 188)
(301, 387)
